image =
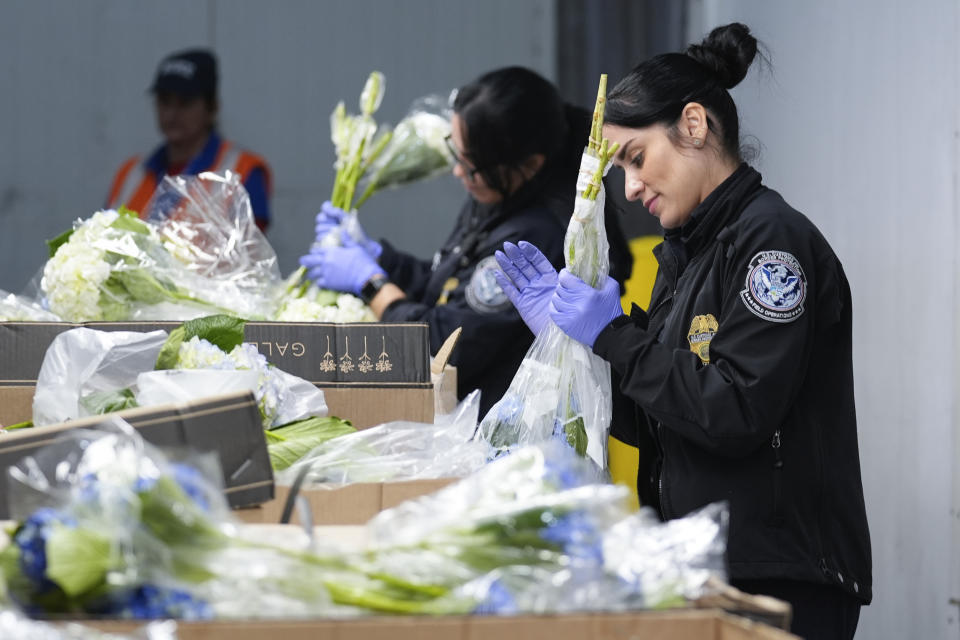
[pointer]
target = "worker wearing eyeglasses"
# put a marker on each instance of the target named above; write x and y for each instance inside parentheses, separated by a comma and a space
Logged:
(518, 149)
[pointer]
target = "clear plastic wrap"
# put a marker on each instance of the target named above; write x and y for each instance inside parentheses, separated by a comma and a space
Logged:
(562, 389)
(109, 526)
(395, 451)
(536, 532)
(84, 368)
(207, 222)
(83, 361)
(200, 253)
(417, 148)
(14, 308)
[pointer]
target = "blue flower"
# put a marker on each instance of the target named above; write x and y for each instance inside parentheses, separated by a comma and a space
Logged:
(31, 538)
(193, 484)
(149, 602)
(498, 601)
(563, 468)
(576, 533)
(189, 479)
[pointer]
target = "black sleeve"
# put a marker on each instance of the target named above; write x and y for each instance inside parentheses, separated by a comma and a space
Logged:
(757, 365)
(407, 272)
(486, 331)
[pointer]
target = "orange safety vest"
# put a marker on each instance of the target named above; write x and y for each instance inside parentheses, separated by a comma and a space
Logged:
(134, 183)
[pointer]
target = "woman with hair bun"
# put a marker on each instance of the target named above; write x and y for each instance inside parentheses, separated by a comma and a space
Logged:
(740, 373)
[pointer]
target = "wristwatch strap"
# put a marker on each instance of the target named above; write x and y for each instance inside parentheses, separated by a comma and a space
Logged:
(372, 287)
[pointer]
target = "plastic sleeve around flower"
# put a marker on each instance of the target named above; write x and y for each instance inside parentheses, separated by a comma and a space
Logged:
(396, 451)
(416, 151)
(19, 308)
(83, 361)
(198, 253)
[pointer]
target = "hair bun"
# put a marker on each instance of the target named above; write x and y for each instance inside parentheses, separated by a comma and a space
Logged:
(727, 52)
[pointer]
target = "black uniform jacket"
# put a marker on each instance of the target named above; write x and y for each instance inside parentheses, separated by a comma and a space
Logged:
(457, 289)
(743, 386)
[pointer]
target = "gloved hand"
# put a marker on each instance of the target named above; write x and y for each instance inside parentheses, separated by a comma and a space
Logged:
(340, 268)
(528, 279)
(582, 311)
(330, 218)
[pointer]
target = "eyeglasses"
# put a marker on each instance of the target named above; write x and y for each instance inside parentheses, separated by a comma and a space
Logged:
(471, 171)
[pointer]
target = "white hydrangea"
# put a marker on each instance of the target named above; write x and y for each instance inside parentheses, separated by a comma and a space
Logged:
(72, 279)
(198, 353)
(348, 308)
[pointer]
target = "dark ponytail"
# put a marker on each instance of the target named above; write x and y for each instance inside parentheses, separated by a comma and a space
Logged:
(656, 90)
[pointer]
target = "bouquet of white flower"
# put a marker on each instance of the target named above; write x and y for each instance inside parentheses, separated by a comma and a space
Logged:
(88, 372)
(562, 389)
(375, 157)
(416, 150)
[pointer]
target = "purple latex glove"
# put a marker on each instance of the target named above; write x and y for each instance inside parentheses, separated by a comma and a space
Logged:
(331, 217)
(340, 268)
(582, 311)
(528, 279)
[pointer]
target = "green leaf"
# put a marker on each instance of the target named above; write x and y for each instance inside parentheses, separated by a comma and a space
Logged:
(176, 519)
(221, 330)
(55, 243)
(299, 438)
(26, 424)
(576, 434)
(141, 285)
(170, 351)
(130, 221)
(101, 402)
(78, 559)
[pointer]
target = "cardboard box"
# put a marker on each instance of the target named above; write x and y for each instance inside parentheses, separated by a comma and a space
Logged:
(371, 373)
(678, 624)
(342, 505)
(229, 425)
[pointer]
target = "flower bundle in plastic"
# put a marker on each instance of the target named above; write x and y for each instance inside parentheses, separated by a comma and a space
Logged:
(562, 389)
(89, 372)
(374, 157)
(395, 451)
(199, 253)
(108, 526)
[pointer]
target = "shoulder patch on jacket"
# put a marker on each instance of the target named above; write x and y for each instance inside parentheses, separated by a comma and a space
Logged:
(483, 293)
(776, 286)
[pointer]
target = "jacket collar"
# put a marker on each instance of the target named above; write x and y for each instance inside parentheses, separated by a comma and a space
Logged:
(720, 208)
(708, 219)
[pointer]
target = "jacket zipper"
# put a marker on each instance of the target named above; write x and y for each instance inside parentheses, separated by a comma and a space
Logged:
(777, 480)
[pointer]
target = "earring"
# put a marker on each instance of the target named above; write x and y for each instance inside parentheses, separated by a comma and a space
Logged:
(697, 142)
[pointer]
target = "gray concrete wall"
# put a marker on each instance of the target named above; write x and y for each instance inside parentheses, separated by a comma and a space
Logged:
(859, 126)
(73, 100)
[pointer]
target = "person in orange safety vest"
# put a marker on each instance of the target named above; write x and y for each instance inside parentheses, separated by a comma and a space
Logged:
(186, 103)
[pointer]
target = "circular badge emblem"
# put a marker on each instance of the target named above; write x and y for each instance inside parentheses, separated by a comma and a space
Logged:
(775, 287)
(483, 293)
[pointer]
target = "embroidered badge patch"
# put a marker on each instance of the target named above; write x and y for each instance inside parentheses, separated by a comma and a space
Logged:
(775, 287)
(702, 330)
(483, 293)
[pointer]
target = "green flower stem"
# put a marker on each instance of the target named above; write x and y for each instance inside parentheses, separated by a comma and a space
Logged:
(375, 180)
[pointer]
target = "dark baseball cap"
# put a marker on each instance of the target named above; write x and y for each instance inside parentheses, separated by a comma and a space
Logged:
(188, 73)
